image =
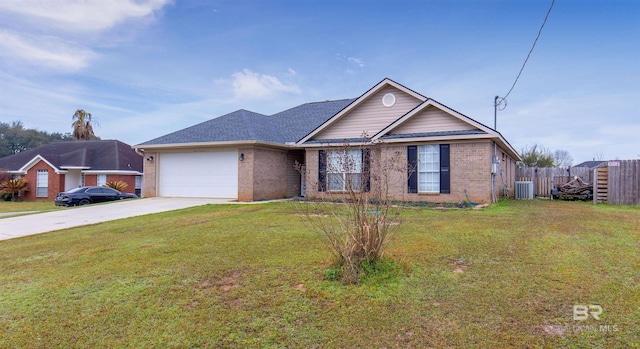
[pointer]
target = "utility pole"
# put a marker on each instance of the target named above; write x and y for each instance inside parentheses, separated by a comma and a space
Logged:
(494, 160)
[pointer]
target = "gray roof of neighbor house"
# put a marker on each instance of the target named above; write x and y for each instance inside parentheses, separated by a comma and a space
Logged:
(590, 164)
(105, 155)
(243, 125)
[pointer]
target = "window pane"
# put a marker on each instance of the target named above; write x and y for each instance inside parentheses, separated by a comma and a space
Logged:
(42, 183)
(344, 170)
(429, 168)
(355, 180)
(102, 179)
(355, 161)
(336, 181)
(333, 162)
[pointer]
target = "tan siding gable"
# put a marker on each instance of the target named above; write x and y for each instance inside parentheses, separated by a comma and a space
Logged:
(432, 119)
(370, 116)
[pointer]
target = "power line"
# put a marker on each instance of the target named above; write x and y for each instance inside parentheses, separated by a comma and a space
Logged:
(502, 99)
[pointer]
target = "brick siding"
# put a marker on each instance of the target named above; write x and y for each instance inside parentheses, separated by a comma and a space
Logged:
(262, 175)
(149, 188)
(55, 182)
(470, 169)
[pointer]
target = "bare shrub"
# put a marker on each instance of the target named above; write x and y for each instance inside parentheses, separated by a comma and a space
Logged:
(353, 211)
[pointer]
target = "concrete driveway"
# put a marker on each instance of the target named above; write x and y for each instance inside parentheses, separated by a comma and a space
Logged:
(38, 223)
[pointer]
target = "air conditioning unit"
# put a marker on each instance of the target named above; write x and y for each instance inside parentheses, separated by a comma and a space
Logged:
(524, 190)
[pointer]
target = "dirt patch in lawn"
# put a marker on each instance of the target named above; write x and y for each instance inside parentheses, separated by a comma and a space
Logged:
(224, 283)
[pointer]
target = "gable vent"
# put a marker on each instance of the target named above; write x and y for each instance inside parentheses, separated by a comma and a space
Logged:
(388, 100)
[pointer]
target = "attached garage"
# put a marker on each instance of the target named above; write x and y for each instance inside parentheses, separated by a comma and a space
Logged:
(199, 174)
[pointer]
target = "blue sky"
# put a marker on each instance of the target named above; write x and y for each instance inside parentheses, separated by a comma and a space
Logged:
(145, 68)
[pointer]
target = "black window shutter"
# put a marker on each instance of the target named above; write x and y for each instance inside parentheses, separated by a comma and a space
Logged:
(445, 173)
(366, 166)
(322, 170)
(412, 167)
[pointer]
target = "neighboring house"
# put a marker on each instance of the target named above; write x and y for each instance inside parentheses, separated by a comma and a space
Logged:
(249, 156)
(592, 164)
(61, 166)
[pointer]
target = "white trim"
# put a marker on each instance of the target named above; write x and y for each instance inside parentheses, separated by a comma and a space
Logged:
(331, 144)
(437, 138)
(26, 167)
(382, 84)
(123, 172)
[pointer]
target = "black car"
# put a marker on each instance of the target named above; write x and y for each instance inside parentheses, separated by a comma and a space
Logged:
(90, 195)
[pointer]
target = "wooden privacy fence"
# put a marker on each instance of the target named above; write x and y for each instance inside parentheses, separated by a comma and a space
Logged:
(618, 183)
(614, 182)
(546, 178)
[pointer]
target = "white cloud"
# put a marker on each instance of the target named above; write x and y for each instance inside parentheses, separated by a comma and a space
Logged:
(357, 61)
(82, 15)
(60, 34)
(251, 85)
(47, 51)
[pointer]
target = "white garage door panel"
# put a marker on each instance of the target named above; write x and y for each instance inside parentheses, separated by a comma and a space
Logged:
(199, 174)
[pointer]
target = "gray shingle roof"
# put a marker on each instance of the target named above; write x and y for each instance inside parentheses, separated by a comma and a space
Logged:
(106, 155)
(590, 164)
(243, 125)
(299, 121)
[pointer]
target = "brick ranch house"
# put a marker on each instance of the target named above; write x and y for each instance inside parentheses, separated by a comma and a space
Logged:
(249, 156)
(60, 166)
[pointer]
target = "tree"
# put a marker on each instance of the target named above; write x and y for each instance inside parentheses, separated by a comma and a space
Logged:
(82, 127)
(562, 158)
(14, 138)
(537, 156)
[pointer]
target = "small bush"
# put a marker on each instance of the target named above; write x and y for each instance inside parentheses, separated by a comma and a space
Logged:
(14, 187)
(119, 185)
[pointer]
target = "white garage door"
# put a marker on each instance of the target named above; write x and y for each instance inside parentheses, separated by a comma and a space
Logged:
(199, 174)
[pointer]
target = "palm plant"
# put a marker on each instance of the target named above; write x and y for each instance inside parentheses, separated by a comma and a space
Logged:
(119, 185)
(82, 127)
(14, 187)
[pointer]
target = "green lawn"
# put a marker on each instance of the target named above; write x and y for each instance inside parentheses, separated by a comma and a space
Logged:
(27, 207)
(241, 276)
